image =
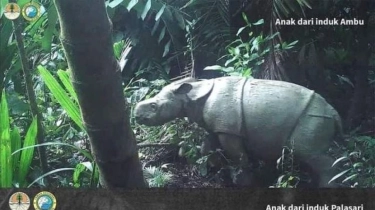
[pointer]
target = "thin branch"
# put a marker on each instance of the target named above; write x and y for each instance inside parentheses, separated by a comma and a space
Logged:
(142, 145)
(17, 26)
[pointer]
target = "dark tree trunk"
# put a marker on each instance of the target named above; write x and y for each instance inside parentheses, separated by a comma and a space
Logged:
(86, 38)
(358, 107)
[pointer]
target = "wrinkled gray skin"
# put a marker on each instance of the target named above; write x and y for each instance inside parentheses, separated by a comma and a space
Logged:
(252, 117)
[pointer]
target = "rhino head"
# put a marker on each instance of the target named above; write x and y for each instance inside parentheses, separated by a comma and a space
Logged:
(175, 100)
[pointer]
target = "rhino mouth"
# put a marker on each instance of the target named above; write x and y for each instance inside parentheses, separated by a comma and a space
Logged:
(141, 120)
(144, 120)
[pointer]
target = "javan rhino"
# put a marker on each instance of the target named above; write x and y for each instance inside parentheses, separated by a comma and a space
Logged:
(252, 117)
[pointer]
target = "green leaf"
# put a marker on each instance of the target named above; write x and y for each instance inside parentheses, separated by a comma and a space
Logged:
(231, 70)
(131, 4)
(214, 67)
(2, 7)
(15, 137)
(245, 19)
(358, 165)
(158, 15)
(146, 9)
(339, 160)
(4, 114)
(255, 44)
(21, 3)
(237, 51)
(166, 48)
(64, 77)
(203, 169)
(352, 177)
(117, 48)
(155, 27)
(230, 61)
(6, 171)
(27, 154)
(61, 96)
(6, 163)
(259, 22)
(345, 79)
(240, 30)
(77, 174)
(272, 36)
(51, 28)
(306, 3)
(289, 46)
(293, 43)
(339, 175)
(114, 3)
(162, 34)
(247, 73)
(354, 154)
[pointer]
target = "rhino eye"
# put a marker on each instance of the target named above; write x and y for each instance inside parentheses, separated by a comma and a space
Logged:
(153, 106)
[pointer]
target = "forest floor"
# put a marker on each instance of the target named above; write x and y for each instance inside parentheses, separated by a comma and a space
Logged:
(184, 175)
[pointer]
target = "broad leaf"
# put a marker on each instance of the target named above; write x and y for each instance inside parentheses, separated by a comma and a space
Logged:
(114, 3)
(146, 9)
(4, 114)
(64, 77)
(162, 34)
(158, 15)
(51, 28)
(15, 137)
(6, 171)
(131, 4)
(166, 48)
(339, 160)
(71, 108)
(339, 175)
(214, 67)
(27, 154)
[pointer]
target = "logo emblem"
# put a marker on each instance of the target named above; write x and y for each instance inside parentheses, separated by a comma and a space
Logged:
(31, 11)
(19, 201)
(44, 201)
(12, 11)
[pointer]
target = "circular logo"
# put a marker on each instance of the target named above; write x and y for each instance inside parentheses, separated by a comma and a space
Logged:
(44, 201)
(19, 201)
(31, 11)
(12, 11)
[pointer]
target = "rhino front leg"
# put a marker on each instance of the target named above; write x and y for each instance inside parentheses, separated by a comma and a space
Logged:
(209, 148)
(234, 149)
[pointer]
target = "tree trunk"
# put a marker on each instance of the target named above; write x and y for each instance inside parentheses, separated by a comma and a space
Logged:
(86, 38)
(357, 109)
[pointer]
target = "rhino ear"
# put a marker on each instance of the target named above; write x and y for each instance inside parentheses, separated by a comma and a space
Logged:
(183, 88)
(195, 90)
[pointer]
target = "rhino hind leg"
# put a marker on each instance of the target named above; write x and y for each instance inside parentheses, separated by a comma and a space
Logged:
(210, 144)
(321, 170)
